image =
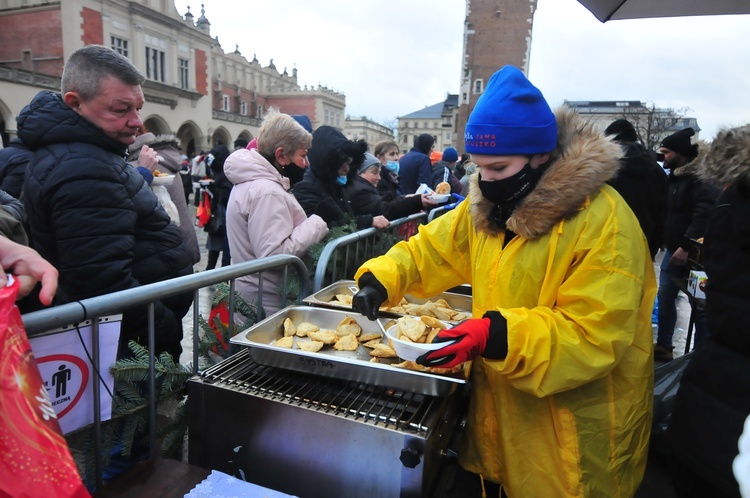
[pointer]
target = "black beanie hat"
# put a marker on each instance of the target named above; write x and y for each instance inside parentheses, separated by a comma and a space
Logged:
(679, 142)
(623, 131)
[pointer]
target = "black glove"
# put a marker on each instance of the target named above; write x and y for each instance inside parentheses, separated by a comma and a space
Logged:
(370, 296)
(328, 210)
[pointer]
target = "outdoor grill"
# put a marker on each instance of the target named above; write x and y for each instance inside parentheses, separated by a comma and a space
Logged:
(309, 435)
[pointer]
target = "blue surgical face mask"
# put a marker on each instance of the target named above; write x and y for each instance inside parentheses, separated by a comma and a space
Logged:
(392, 166)
(341, 180)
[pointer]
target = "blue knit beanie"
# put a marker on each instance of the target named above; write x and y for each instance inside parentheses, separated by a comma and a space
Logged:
(450, 155)
(510, 118)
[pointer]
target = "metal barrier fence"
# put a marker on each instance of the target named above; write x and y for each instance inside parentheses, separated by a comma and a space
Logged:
(438, 211)
(341, 257)
(39, 322)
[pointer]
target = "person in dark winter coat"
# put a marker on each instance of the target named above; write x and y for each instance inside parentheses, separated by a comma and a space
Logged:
(415, 167)
(334, 161)
(219, 189)
(689, 201)
(387, 154)
(641, 182)
(89, 212)
(460, 170)
(13, 161)
(709, 410)
(442, 171)
(364, 197)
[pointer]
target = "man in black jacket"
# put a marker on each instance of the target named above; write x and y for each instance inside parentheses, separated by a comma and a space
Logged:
(641, 182)
(89, 212)
(689, 202)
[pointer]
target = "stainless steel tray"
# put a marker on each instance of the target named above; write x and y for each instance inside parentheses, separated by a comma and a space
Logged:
(325, 297)
(328, 362)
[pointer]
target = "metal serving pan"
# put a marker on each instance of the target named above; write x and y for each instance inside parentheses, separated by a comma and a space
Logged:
(328, 362)
(326, 297)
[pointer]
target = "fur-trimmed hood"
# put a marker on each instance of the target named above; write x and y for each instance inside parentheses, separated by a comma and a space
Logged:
(582, 162)
(727, 159)
(330, 150)
(693, 167)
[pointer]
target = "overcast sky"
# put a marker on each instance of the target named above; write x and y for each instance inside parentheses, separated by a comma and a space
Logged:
(394, 57)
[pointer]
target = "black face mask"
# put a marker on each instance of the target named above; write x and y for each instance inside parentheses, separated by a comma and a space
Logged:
(294, 173)
(512, 189)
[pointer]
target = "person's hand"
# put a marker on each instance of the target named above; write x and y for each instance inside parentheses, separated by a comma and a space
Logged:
(370, 296)
(28, 267)
(328, 210)
(467, 340)
(380, 221)
(427, 202)
(679, 257)
(148, 158)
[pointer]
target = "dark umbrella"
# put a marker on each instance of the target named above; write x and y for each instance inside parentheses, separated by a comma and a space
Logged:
(612, 10)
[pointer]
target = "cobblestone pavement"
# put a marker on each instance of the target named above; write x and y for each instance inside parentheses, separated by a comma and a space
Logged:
(204, 300)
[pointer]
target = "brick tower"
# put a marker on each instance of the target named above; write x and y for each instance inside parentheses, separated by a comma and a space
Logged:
(496, 33)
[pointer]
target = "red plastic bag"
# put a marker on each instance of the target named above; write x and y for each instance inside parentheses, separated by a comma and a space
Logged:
(204, 209)
(35, 459)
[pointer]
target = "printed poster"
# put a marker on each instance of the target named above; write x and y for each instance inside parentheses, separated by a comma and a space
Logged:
(69, 375)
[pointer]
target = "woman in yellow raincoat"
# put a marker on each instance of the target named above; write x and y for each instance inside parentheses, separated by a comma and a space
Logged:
(561, 275)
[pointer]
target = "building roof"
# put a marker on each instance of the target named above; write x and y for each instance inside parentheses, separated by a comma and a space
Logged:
(432, 112)
(626, 108)
(435, 111)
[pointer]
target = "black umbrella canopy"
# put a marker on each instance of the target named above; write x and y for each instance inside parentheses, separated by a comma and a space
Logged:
(612, 10)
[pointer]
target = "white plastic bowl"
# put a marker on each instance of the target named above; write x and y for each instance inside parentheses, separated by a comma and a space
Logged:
(161, 181)
(409, 351)
(439, 198)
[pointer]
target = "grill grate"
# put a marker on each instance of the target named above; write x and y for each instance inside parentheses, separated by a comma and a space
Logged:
(391, 408)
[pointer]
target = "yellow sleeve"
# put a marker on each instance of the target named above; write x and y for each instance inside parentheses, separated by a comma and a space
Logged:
(435, 259)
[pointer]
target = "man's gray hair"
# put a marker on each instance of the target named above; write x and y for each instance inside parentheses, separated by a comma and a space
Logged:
(281, 130)
(88, 66)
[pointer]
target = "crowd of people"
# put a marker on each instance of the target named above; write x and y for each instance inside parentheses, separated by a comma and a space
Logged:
(554, 224)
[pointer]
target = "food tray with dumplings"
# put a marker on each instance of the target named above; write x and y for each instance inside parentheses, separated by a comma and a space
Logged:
(448, 306)
(344, 345)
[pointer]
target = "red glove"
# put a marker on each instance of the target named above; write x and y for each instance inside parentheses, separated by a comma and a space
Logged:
(469, 339)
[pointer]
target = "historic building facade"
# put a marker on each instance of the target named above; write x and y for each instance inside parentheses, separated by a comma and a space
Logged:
(364, 128)
(438, 120)
(496, 33)
(651, 124)
(193, 88)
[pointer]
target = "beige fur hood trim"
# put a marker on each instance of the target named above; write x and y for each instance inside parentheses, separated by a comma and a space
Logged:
(582, 162)
(693, 167)
(727, 159)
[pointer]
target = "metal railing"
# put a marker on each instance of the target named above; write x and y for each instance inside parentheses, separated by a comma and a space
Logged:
(341, 257)
(50, 319)
(438, 211)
